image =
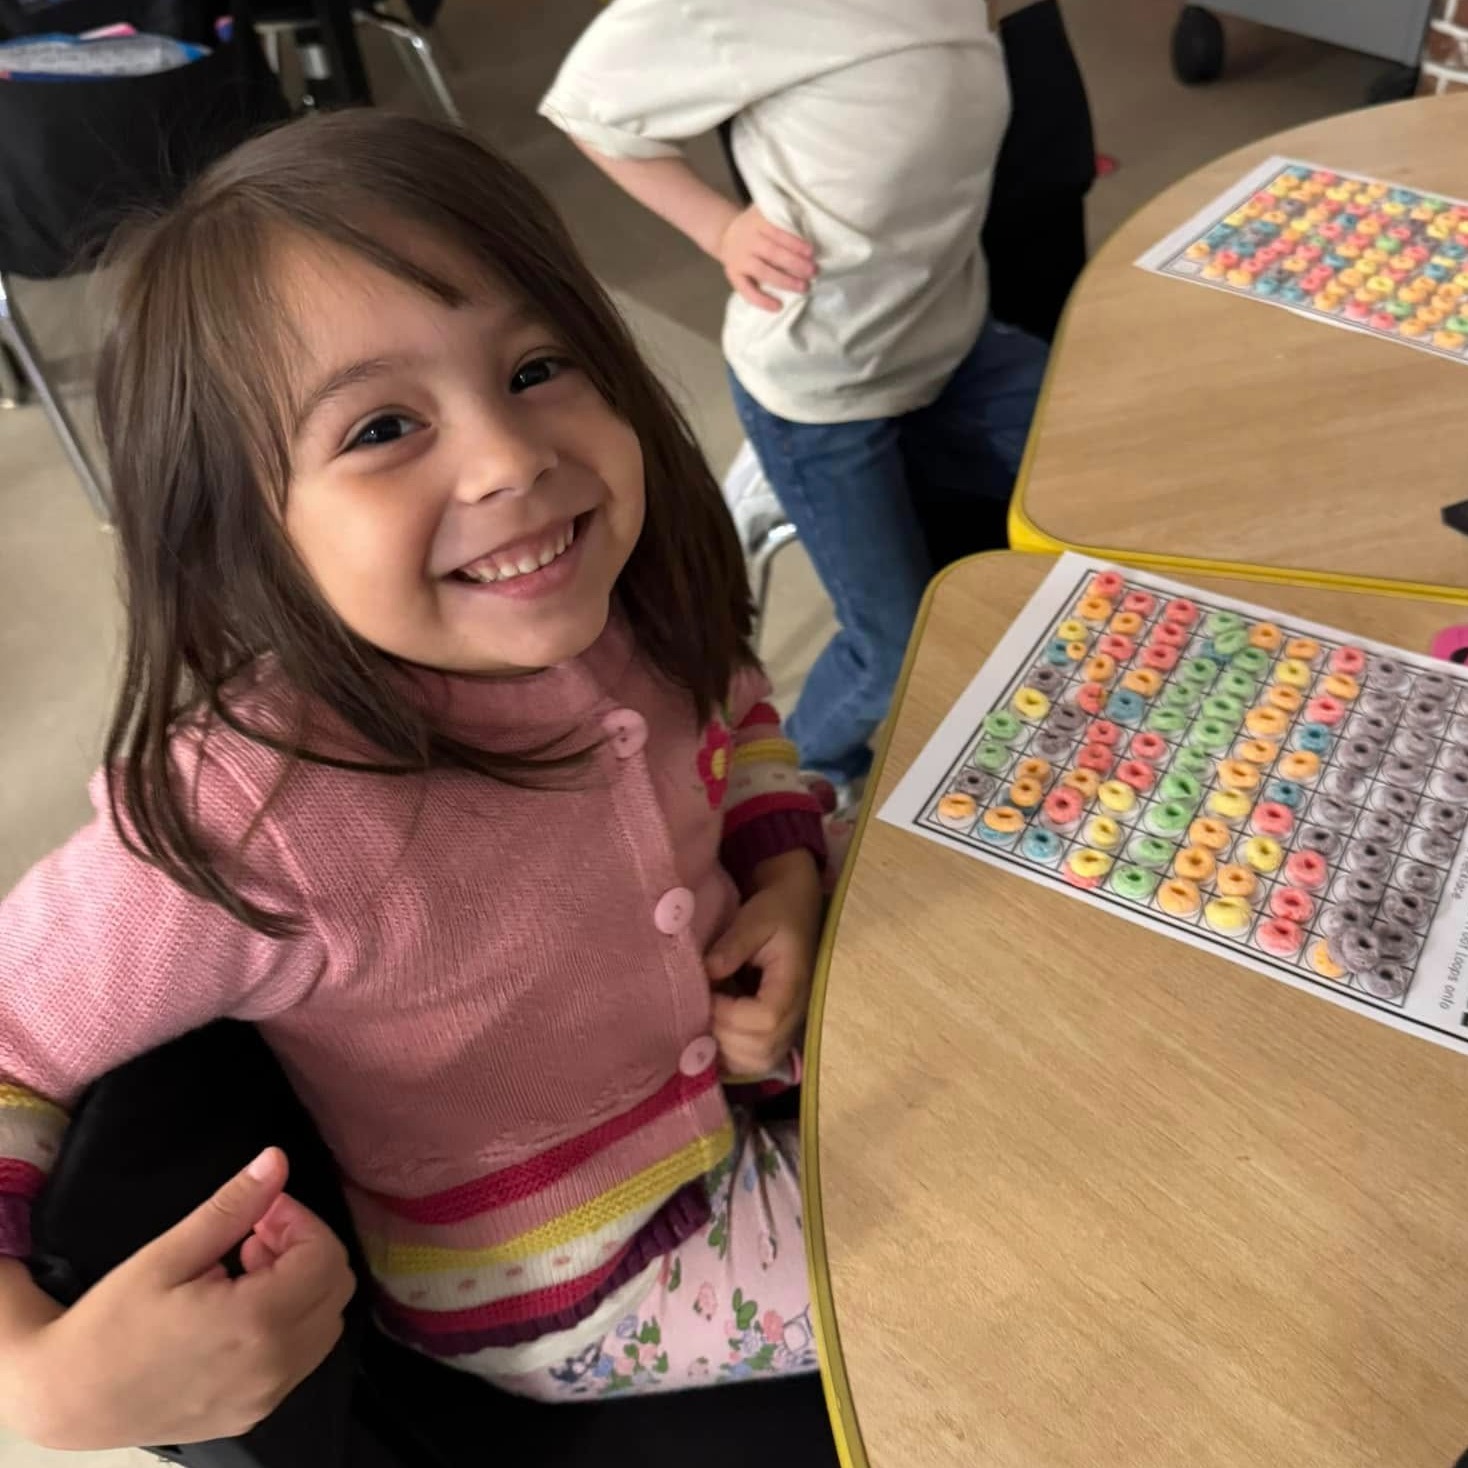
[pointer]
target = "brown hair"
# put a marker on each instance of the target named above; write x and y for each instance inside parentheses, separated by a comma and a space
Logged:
(190, 395)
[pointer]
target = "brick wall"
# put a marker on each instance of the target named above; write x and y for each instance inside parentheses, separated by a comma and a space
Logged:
(1445, 49)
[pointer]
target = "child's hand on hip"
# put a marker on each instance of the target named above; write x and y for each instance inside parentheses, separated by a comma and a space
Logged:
(168, 1349)
(777, 931)
(756, 253)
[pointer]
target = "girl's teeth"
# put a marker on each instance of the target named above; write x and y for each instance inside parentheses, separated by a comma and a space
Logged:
(497, 570)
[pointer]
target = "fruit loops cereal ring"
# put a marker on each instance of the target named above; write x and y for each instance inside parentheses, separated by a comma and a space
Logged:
(1085, 782)
(1257, 751)
(1167, 721)
(1221, 621)
(1075, 651)
(1143, 603)
(1212, 835)
(1228, 915)
(1001, 824)
(1194, 762)
(1148, 747)
(1286, 699)
(1091, 698)
(1096, 757)
(975, 783)
(1032, 769)
(1225, 708)
(1291, 904)
(1149, 851)
(991, 755)
(1176, 786)
(1293, 672)
(1134, 883)
(958, 811)
(1406, 909)
(1270, 819)
(1385, 980)
(1169, 634)
(1026, 794)
(1108, 584)
(1280, 936)
(1313, 738)
(1179, 897)
(1262, 853)
(1267, 636)
(1063, 808)
(1180, 610)
(1136, 773)
(1325, 709)
(1196, 863)
(1103, 833)
(1104, 732)
(1001, 725)
(1252, 662)
(1237, 685)
(1057, 654)
(1266, 722)
(1040, 846)
(1350, 660)
(1159, 659)
(1116, 797)
(1048, 680)
(1321, 961)
(1126, 624)
(1197, 673)
(1093, 609)
(1235, 880)
(1229, 806)
(1210, 734)
(1085, 868)
(1386, 673)
(1099, 668)
(1030, 704)
(1237, 774)
(1072, 630)
(1143, 681)
(1168, 818)
(1343, 687)
(1306, 649)
(1425, 713)
(1125, 707)
(1285, 793)
(1114, 646)
(1299, 766)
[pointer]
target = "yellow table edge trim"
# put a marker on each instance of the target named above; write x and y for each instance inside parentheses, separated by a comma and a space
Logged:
(839, 1403)
(1030, 538)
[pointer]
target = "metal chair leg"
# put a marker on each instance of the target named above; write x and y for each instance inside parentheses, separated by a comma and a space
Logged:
(10, 385)
(761, 561)
(16, 335)
(416, 51)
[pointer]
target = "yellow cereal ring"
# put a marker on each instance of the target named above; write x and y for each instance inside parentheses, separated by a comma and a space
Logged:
(1103, 833)
(1086, 781)
(1145, 681)
(1257, 751)
(1265, 722)
(1117, 796)
(1030, 704)
(1026, 794)
(1306, 649)
(1093, 609)
(1263, 853)
(1229, 805)
(957, 809)
(1178, 896)
(1195, 863)
(1087, 863)
(1299, 765)
(1004, 819)
(1342, 686)
(1237, 774)
(1284, 698)
(1071, 630)
(1293, 673)
(1228, 914)
(1210, 835)
(1265, 635)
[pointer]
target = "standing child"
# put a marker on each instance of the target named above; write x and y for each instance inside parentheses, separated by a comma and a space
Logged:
(441, 756)
(888, 411)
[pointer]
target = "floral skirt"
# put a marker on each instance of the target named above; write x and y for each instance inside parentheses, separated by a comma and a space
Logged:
(731, 1304)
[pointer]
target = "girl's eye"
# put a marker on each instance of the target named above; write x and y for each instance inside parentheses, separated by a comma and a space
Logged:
(385, 429)
(533, 374)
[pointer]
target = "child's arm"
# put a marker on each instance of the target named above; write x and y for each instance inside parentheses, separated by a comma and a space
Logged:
(752, 251)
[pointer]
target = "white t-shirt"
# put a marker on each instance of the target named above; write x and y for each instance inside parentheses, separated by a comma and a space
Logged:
(869, 127)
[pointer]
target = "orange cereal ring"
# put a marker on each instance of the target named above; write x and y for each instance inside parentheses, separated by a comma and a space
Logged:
(1178, 897)
(1237, 774)
(1323, 963)
(1304, 648)
(957, 809)
(1126, 624)
(1146, 681)
(1195, 863)
(1299, 765)
(1033, 768)
(1075, 651)
(1236, 881)
(1004, 820)
(1209, 834)
(1265, 635)
(1099, 669)
(1026, 794)
(1342, 686)
(1266, 722)
(1284, 698)
(1088, 782)
(1257, 751)
(1093, 609)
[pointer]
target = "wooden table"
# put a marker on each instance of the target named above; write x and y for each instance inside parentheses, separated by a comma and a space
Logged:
(1080, 1196)
(1189, 427)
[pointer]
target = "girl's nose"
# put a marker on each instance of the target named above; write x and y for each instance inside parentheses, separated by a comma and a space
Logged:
(502, 454)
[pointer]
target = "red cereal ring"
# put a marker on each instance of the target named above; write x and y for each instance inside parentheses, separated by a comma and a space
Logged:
(1140, 602)
(1114, 645)
(1350, 660)
(1180, 610)
(1272, 819)
(1159, 657)
(1103, 731)
(1091, 698)
(1306, 869)
(1150, 747)
(1291, 904)
(1107, 583)
(1095, 757)
(1136, 774)
(1280, 936)
(1323, 709)
(1063, 806)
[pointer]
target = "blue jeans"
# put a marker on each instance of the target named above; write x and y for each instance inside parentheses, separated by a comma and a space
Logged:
(881, 505)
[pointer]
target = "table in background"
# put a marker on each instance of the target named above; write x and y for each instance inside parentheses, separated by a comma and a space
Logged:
(1083, 1196)
(1182, 426)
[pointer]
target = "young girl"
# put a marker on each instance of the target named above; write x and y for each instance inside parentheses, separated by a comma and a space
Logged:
(441, 756)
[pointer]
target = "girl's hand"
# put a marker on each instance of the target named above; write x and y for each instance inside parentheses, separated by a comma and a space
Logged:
(755, 252)
(777, 931)
(169, 1349)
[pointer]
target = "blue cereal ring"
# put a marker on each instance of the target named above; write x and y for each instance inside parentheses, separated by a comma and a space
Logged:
(1125, 707)
(1313, 738)
(1040, 845)
(1285, 793)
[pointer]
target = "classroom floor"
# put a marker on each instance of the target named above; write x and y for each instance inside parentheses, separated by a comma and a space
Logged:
(58, 612)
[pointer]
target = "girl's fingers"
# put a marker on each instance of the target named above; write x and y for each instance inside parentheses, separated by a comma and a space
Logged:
(746, 286)
(780, 258)
(771, 274)
(786, 240)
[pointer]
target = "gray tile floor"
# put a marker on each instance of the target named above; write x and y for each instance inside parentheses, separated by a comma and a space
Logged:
(59, 618)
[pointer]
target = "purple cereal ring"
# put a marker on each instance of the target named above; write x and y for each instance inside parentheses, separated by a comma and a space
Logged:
(1318, 839)
(1434, 685)
(1425, 713)
(1386, 673)
(1406, 909)
(1453, 757)
(976, 783)
(1438, 815)
(1370, 857)
(1360, 887)
(1047, 679)
(1451, 785)
(1355, 949)
(1405, 772)
(1372, 727)
(1342, 915)
(1333, 813)
(1437, 846)
(1412, 745)
(1066, 718)
(1052, 744)
(1401, 803)
(1413, 877)
(1458, 730)
(1394, 942)
(1379, 702)
(1344, 784)
(1358, 754)
(1379, 825)
(1384, 981)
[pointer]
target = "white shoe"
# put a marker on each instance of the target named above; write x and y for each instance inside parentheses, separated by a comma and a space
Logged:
(750, 499)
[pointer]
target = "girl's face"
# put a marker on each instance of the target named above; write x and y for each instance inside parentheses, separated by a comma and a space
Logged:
(461, 494)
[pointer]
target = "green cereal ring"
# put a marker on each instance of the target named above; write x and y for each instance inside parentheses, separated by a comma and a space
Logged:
(1252, 661)
(1180, 787)
(1194, 762)
(1167, 721)
(991, 756)
(1213, 735)
(1169, 818)
(1135, 883)
(1231, 641)
(1197, 672)
(1224, 708)
(1002, 725)
(1150, 851)
(1235, 684)
(1218, 623)
(1176, 696)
